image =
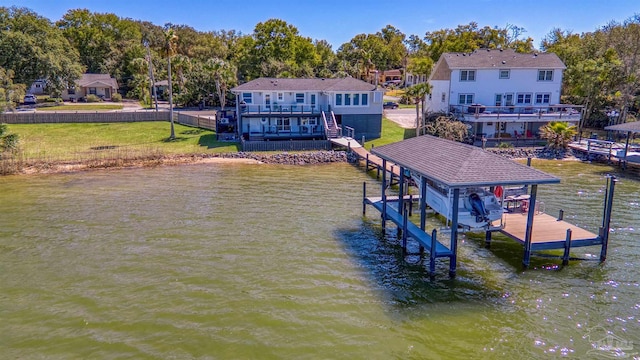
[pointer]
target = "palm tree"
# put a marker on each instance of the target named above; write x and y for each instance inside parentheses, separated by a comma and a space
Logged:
(170, 45)
(224, 74)
(558, 134)
(417, 93)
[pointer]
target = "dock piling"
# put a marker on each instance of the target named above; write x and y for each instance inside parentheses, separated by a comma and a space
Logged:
(404, 231)
(607, 216)
(567, 248)
(432, 253)
(364, 198)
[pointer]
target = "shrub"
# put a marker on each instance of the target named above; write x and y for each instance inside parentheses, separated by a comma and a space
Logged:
(93, 98)
(116, 97)
(53, 100)
(505, 145)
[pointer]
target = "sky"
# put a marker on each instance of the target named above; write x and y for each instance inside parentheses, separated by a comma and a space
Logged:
(339, 21)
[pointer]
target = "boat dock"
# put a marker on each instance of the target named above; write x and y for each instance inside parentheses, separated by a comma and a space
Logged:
(459, 166)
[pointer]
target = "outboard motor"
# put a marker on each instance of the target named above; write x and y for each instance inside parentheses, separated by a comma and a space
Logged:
(477, 207)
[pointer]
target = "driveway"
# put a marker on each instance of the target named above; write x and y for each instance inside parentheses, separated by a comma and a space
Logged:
(406, 118)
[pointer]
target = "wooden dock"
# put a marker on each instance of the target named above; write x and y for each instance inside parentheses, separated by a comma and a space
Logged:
(545, 231)
(373, 162)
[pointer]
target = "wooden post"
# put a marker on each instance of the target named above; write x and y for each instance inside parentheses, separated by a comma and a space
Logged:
(454, 234)
(487, 239)
(410, 205)
(423, 202)
(527, 235)
(364, 198)
(560, 215)
(567, 248)
(401, 189)
(432, 253)
(607, 218)
(384, 196)
(404, 232)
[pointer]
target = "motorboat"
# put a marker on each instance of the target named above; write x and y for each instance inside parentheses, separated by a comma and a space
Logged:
(478, 208)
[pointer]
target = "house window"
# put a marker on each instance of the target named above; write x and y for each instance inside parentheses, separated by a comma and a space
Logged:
(523, 99)
(545, 75)
(365, 99)
(356, 99)
(443, 98)
(267, 101)
(543, 98)
(508, 99)
(338, 99)
(247, 98)
(347, 99)
(498, 99)
(280, 96)
(504, 74)
(283, 124)
(467, 75)
(465, 99)
(313, 99)
(300, 98)
(92, 91)
(71, 91)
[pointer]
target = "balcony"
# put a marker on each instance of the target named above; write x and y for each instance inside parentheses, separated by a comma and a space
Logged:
(295, 109)
(480, 113)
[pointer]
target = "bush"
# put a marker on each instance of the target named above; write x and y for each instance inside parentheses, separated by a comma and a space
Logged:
(53, 100)
(93, 98)
(505, 145)
(116, 97)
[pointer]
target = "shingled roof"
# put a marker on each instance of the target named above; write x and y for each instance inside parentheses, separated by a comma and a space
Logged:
(97, 80)
(626, 127)
(276, 84)
(507, 58)
(459, 165)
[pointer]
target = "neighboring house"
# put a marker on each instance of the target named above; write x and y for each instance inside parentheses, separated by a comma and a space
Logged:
(282, 109)
(414, 79)
(38, 87)
(500, 93)
(101, 85)
(391, 77)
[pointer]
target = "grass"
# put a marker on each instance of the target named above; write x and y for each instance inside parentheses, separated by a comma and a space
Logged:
(391, 133)
(69, 142)
(394, 92)
(81, 107)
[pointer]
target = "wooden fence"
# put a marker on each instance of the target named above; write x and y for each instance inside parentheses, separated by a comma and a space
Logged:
(83, 117)
(205, 122)
(286, 145)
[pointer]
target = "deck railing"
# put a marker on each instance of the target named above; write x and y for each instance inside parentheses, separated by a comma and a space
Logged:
(546, 112)
(284, 109)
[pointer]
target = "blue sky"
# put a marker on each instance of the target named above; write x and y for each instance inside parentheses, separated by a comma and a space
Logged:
(339, 21)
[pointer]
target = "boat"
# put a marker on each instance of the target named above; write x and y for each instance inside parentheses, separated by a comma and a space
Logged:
(478, 208)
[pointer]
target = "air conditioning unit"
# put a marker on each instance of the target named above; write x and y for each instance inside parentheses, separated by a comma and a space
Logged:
(224, 120)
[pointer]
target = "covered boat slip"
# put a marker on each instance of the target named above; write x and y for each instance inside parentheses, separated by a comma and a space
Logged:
(459, 166)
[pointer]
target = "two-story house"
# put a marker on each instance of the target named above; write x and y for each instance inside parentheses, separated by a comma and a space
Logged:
(284, 109)
(500, 93)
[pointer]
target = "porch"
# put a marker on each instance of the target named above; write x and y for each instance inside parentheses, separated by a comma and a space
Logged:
(249, 110)
(545, 114)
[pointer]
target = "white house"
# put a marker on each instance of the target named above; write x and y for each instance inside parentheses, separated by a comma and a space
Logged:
(500, 93)
(101, 85)
(38, 87)
(282, 109)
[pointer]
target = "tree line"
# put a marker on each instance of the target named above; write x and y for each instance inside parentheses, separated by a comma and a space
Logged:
(602, 66)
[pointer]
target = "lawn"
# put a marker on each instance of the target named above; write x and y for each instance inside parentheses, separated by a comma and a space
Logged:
(53, 142)
(81, 107)
(391, 132)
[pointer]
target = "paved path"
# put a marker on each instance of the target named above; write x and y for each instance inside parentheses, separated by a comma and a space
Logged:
(406, 118)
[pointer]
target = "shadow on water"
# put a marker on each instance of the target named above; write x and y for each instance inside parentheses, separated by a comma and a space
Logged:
(404, 281)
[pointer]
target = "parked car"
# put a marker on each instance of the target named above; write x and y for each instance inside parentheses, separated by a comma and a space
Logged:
(390, 105)
(30, 99)
(392, 83)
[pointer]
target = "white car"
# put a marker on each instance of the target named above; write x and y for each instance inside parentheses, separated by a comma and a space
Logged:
(30, 99)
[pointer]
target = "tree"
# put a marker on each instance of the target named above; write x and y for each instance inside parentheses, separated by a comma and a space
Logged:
(10, 93)
(447, 128)
(170, 41)
(417, 93)
(558, 134)
(8, 142)
(224, 75)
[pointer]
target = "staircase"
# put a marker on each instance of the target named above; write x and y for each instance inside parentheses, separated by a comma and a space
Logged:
(331, 128)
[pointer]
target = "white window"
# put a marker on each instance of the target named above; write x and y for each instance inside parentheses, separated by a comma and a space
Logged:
(508, 99)
(498, 100)
(92, 91)
(267, 101)
(504, 74)
(465, 99)
(365, 99)
(545, 75)
(300, 98)
(338, 99)
(356, 99)
(467, 75)
(280, 96)
(543, 98)
(283, 124)
(523, 99)
(347, 99)
(247, 98)
(313, 99)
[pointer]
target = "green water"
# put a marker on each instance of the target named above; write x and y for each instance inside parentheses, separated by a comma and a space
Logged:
(274, 262)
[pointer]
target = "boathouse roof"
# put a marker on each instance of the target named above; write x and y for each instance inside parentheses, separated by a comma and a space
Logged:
(457, 165)
(626, 127)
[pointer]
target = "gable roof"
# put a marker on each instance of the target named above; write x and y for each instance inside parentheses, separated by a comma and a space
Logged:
(277, 84)
(97, 80)
(494, 59)
(633, 127)
(459, 165)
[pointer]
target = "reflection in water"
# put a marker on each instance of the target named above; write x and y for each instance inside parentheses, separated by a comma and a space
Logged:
(246, 261)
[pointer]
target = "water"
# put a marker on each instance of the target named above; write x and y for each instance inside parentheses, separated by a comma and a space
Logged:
(275, 262)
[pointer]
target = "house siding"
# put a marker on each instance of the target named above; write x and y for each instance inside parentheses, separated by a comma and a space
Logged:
(369, 126)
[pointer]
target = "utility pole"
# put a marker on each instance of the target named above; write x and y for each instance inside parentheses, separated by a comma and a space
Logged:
(152, 90)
